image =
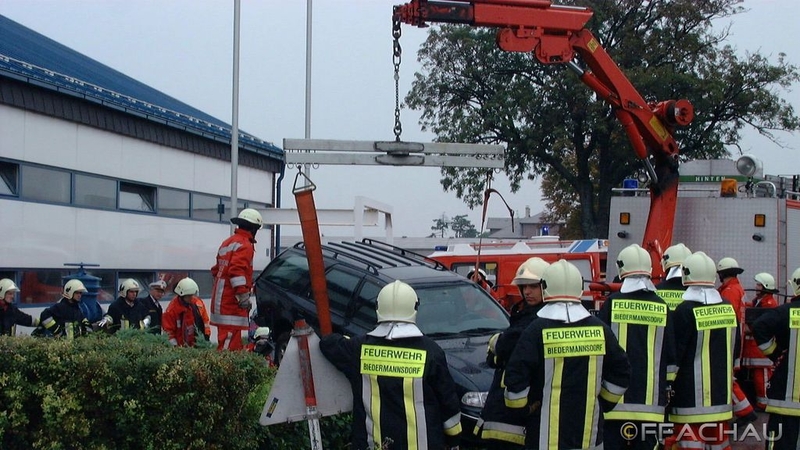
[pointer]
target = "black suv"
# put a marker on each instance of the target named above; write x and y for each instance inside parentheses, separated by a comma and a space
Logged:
(453, 310)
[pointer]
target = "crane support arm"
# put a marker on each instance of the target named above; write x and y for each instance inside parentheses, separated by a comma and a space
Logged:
(557, 34)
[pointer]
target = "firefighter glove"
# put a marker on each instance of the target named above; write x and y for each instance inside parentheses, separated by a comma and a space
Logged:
(105, 321)
(244, 300)
(146, 322)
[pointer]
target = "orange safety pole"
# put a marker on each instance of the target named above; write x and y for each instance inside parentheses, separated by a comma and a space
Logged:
(316, 266)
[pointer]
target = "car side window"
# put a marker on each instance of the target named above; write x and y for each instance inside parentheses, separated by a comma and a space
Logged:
(364, 312)
(290, 273)
(341, 286)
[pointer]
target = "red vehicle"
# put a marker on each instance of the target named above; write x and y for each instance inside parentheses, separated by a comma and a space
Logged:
(500, 261)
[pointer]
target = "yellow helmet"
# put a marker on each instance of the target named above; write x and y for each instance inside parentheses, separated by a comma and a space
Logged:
(73, 286)
(634, 260)
(674, 256)
(728, 266)
(397, 302)
(530, 272)
(699, 270)
(562, 282)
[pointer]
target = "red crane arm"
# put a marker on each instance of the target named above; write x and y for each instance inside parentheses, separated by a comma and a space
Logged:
(556, 34)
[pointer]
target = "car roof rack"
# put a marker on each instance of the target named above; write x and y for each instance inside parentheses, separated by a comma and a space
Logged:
(376, 255)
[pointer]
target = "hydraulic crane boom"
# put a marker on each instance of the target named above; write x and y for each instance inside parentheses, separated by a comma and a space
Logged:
(556, 34)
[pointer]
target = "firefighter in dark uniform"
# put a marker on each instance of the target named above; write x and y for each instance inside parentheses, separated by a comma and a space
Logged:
(65, 318)
(777, 334)
(567, 368)
(10, 315)
(127, 311)
(641, 321)
(671, 289)
(499, 425)
(403, 394)
(705, 330)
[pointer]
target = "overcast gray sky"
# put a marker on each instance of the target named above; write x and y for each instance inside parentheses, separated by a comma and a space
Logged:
(184, 48)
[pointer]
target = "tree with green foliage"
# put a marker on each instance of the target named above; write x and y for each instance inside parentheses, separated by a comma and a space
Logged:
(557, 129)
(440, 225)
(462, 227)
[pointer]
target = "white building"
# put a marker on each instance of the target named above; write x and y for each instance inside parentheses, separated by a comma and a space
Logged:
(96, 167)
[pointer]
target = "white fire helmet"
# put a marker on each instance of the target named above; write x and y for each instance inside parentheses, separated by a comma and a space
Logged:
(766, 280)
(728, 266)
(562, 282)
(6, 285)
(397, 302)
(186, 286)
(794, 282)
(699, 270)
(634, 260)
(128, 285)
(530, 272)
(73, 286)
(249, 217)
(674, 256)
(261, 332)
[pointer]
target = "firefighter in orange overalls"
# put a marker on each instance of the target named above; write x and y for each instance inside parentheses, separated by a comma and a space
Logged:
(233, 281)
(183, 321)
(758, 366)
(731, 290)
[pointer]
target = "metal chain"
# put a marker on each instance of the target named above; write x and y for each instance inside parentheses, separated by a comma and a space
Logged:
(396, 58)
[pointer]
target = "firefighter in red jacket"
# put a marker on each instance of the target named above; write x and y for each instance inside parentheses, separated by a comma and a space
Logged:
(233, 281)
(731, 290)
(182, 322)
(758, 366)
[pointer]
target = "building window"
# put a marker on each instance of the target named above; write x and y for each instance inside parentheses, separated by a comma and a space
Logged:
(173, 203)
(46, 185)
(204, 282)
(137, 197)
(9, 173)
(207, 207)
(226, 202)
(95, 191)
(41, 286)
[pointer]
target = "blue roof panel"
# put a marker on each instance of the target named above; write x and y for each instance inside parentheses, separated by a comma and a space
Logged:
(34, 58)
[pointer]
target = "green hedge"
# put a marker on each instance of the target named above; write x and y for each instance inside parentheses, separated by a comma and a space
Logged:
(134, 391)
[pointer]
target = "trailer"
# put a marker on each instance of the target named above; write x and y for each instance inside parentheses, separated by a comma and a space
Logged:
(744, 214)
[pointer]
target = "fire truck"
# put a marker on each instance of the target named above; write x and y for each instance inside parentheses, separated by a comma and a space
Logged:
(725, 208)
(500, 260)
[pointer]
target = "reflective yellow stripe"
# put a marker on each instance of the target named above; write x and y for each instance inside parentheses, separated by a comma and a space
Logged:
(795, 378)
(639, 312)
(700, 418)
(634, 415)
(729, 351)
(784, 411)
(555, 398)
(411, 413)
(375, 406)
(591, 403)
(714, 317)
(706, 364)
(392, 361)
(651, 361)
(503, 436)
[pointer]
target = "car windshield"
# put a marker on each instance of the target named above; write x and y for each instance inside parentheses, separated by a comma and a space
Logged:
(458, 308)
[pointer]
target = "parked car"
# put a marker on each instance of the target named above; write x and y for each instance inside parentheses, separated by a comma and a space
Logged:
(454, 311)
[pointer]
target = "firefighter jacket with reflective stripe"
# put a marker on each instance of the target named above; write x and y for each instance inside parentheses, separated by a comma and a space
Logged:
(704, 345)
(233, 274)
(497, 421)
(752, 356)
(778, 336)
(11, 316)
(403, 392)
(565, 375)
(643, 325)
(671, 291)
(182, 323)
(155, 312)
(64, 319)
(126, 316)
